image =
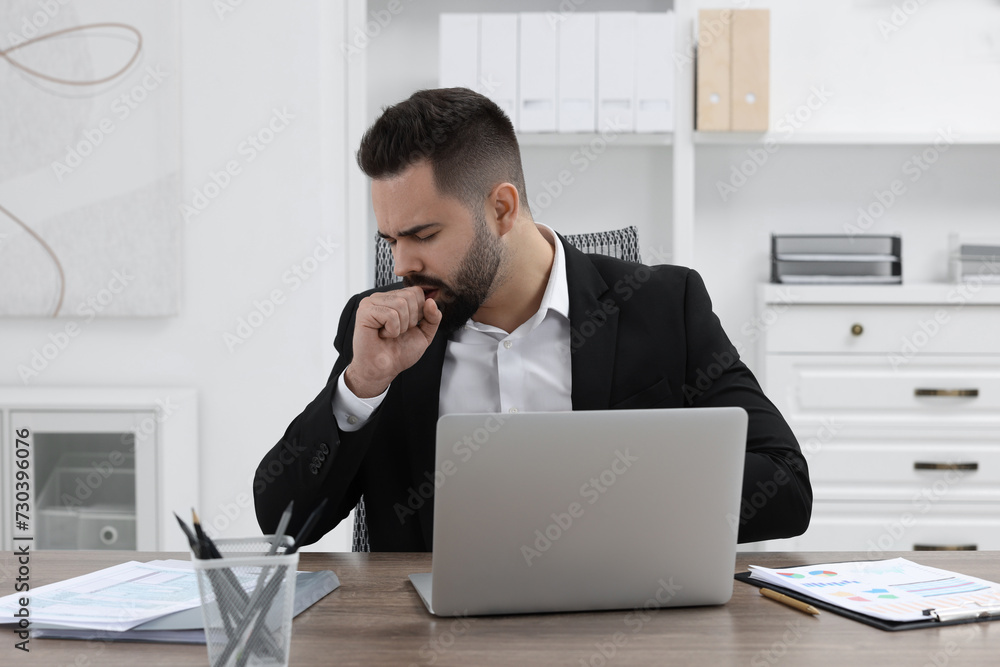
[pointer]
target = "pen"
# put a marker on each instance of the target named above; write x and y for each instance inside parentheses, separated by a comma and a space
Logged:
(198, 547)
(192, 540)
(208, 548)
(225, 584)
(279, 534)
(791, 602)
(307, 527)
(263, 596)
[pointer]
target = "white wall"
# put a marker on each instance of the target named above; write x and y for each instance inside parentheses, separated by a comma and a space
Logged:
(236, 69)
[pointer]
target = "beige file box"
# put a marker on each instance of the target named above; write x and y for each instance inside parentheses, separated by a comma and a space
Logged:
(713, 87)
(750, 47)
(733, 70)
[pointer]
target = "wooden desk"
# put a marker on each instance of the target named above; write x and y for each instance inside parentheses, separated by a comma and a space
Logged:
(376, 618)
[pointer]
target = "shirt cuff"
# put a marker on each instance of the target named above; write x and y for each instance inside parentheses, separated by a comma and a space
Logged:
(350, 411)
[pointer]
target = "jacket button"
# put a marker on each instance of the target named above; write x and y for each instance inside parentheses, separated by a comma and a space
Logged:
(323, 448)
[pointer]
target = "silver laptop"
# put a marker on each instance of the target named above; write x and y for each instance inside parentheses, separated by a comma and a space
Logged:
(575, 511)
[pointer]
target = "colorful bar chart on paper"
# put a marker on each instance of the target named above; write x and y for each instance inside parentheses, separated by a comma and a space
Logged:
(893, 590)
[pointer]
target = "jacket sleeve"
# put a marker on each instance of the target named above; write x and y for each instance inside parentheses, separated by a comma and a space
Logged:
(315, 459)
(777, 495)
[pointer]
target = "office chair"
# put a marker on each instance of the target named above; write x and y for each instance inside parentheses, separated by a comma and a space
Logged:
(620, 243)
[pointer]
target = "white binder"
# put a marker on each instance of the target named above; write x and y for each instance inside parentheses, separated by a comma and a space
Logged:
(577, 68)
(458, 51)
(498, 50)
(616, 71)
(654, 84)
(537, 95)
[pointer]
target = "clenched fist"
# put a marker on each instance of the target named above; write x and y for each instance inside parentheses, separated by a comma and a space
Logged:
(391, 332)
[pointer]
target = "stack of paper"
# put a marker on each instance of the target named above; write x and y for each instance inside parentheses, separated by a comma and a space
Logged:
(155, 601)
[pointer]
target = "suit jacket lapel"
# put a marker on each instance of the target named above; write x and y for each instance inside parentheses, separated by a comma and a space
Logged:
(420, 393)
(593, 332)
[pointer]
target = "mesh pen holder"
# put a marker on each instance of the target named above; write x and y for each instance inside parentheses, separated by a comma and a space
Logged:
(246, 601)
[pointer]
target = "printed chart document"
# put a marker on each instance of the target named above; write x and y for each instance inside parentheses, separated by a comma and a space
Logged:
(117, 598)
(155, 601)
(891, 590)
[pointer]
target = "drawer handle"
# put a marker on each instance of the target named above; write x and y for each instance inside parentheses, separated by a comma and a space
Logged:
(945, 547)
(970, 393)
(109, 535)
(857, 329)
(927, 465)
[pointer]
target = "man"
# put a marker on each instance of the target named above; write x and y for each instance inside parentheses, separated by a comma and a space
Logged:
(498, 314)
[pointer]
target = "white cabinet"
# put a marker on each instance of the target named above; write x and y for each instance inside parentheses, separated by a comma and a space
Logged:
(97, 468)
(91, 478)
(895, 400)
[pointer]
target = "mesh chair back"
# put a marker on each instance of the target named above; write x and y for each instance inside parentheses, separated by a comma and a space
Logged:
(620, 243)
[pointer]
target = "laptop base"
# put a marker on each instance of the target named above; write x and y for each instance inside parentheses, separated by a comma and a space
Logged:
(422, 582)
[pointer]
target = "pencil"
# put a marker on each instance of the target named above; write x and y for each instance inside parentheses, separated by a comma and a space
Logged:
(791, 602)
(307, 527)
(192, 540)
(279, 534)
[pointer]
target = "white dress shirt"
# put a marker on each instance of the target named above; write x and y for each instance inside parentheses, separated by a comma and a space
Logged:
(487, 369)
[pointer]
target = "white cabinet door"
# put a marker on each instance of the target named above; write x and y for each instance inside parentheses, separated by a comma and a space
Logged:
(89, 479)
(881, 528)
(903, 453)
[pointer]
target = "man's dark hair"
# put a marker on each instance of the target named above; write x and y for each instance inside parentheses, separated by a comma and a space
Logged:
(468, 140)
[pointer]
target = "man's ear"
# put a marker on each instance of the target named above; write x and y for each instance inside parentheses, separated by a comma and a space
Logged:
(506, 204)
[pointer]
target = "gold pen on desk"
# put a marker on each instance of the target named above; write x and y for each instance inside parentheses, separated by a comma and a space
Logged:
(791, 602)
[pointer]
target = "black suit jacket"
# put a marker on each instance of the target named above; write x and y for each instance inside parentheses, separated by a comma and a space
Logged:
(642, 337)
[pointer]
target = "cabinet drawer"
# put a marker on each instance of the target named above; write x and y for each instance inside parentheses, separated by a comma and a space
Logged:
(878, 528)
(927, 385)
(905, 330)
(917, 473)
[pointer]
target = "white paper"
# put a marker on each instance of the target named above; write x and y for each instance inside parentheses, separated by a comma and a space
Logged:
(116, 598)
(893, 590)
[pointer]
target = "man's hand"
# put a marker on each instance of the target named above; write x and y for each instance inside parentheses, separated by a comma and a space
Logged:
(391, 332)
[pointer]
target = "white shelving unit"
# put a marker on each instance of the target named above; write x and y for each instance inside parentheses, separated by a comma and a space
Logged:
(667, 184)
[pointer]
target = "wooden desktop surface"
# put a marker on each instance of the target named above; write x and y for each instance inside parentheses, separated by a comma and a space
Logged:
(376, 618)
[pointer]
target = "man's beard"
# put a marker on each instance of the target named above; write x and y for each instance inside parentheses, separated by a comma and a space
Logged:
(474, 281)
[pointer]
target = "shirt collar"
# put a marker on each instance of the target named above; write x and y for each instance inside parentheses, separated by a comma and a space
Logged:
(556, 295)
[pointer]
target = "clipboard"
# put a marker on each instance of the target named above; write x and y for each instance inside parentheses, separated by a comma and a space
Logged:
(888, 626)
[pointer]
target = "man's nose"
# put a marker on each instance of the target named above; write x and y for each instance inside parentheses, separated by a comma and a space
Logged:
(405, 260)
